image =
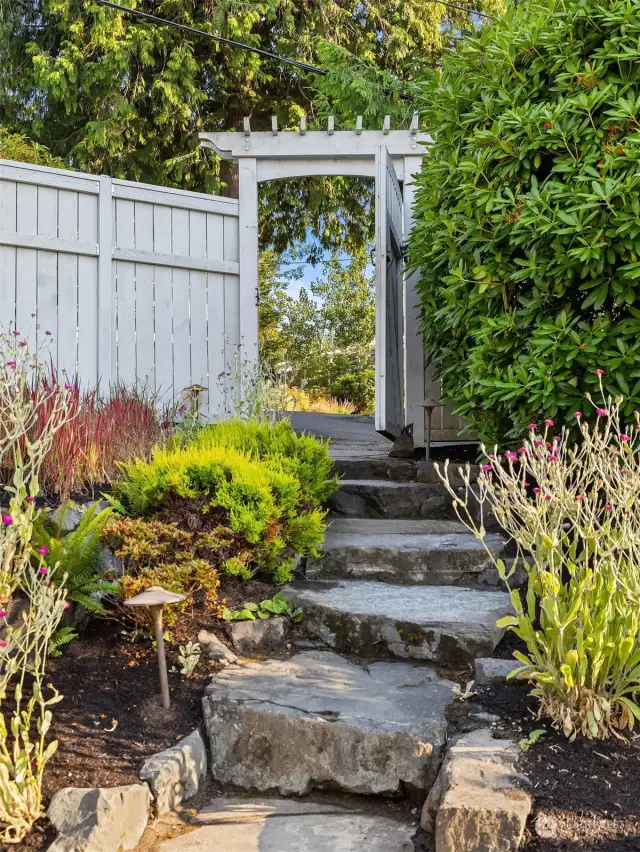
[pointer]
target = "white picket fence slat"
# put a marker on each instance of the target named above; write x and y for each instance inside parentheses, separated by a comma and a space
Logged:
(136, 284)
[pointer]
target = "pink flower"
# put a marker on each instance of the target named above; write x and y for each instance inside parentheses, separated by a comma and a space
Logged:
(549, 423)
(580, 497)
(67, 386)
(625, 438)
(23, 343)
(491, 457)
(577, 414)
(601, 412)
(43, 569)
(48, 333)
(538, 443)
(43, 550)
(30, 499)
(486, 467)
(67, 604)
(11, 363)
(16, 332)
(511, 455)
(536, 490)
(523, 451)
(547, 496)
(7, 520)
(3, 613)
(532, 426)
(599, 372)
(3, 644)
(608, 507)
(33, 316)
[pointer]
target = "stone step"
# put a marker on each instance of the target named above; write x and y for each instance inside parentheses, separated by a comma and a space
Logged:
(318, 720)
(380, 498)
(237, 824)
(436, 552)
(443, 624)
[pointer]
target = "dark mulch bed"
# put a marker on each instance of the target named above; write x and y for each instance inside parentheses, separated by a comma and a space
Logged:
(111, 719)
(591, 789)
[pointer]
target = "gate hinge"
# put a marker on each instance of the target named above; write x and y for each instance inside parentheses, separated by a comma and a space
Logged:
(404, 250)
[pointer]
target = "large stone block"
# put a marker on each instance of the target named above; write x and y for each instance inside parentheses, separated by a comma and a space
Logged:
(175, 774)
(100, 819)
(317, 720)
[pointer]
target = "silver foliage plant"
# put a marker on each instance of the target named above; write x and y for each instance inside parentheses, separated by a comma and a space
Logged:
(571, 508)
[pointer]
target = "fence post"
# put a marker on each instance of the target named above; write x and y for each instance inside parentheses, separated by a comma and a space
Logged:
(248, 257)
(105, 331)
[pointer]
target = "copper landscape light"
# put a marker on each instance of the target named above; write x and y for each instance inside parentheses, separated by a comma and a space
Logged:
(155, 597)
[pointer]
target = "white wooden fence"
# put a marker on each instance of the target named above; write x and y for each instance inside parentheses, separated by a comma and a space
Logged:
(137, 284)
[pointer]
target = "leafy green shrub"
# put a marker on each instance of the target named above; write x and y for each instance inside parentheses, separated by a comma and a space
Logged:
(18, 147)
(268, 500)
(527, 232)
(358, 387)
(270, 608)
(73, 556)
(303, 456)
(572, 508)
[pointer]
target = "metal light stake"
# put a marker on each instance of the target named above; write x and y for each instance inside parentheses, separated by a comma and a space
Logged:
(428, 405)
(155, 597)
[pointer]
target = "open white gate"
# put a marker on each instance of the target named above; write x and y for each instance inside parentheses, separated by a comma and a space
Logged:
(390, 414)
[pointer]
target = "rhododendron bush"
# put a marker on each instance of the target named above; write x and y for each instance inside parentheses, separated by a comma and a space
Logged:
(571, 508)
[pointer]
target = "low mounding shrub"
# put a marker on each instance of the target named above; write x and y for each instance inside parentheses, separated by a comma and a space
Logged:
(303, 456)
(258, 481)
(573, 510)
(527, 232)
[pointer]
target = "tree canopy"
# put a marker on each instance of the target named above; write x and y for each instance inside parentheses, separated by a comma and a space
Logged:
(528, 232)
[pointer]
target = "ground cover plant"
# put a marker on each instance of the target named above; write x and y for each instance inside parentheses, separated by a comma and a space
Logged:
(571, 507)
(527, 214)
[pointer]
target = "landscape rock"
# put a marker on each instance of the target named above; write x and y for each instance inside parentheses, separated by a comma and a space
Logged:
(376, 467)
(479, 801)
(380, 498)
(444, 624)
(109, 563)
(234, 824)
(249, 637)
(214, 648)
(99, 819)
(493, 670)
(318, 720)
(175, 774)
(69, 519)
(426, 472)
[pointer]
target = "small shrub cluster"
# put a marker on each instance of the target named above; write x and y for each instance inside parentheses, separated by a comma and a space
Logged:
(572, 508)
(269, 608)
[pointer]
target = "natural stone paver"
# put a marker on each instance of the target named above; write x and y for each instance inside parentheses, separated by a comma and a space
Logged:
(214, 648)
(285, 825)
(249, 637)
(319, 720)
(100, 819)
(493, 670)
(480, 801)
(175, 774)
(440, 623)
(379, 498)
(405, 554)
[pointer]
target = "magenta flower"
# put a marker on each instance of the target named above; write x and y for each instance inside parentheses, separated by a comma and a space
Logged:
(16, 332)
(577, 414)
(67, 604)
(625, 437)
(538, 443)
(24, 343)
(601, 412)
(30, 499)
(7, 520)
(523, 451)
(48, 333)
(43, 550)
(547, 496)
(580, 497)
(532, 426)
(492, 457)
(67, 386)
(11, 363)
(608, 507)
(599, 372)
(511, 455)
(486, 467)
(43, 569)
(3, 613)
(549, 423)
(536, 490)
(3, 644)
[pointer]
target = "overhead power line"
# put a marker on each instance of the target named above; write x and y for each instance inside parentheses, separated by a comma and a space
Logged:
(303, 66)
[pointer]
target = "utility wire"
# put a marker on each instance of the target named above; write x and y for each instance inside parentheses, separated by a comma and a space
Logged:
(303, 66)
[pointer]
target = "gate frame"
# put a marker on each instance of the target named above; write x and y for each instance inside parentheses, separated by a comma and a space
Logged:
(274, 155)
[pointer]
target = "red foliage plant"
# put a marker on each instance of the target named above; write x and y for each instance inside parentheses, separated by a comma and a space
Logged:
(101, 432)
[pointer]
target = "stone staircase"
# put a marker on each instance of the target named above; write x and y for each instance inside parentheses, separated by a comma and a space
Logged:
(398, 579)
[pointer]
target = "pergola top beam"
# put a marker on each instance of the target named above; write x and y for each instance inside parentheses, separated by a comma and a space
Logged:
(345, 144)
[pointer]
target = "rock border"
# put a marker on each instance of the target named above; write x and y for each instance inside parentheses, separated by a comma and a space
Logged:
(99, 819)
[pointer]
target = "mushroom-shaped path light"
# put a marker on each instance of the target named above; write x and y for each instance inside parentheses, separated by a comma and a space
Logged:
(155, 597)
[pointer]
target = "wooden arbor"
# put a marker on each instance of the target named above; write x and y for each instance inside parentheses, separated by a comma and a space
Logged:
(392, 158)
